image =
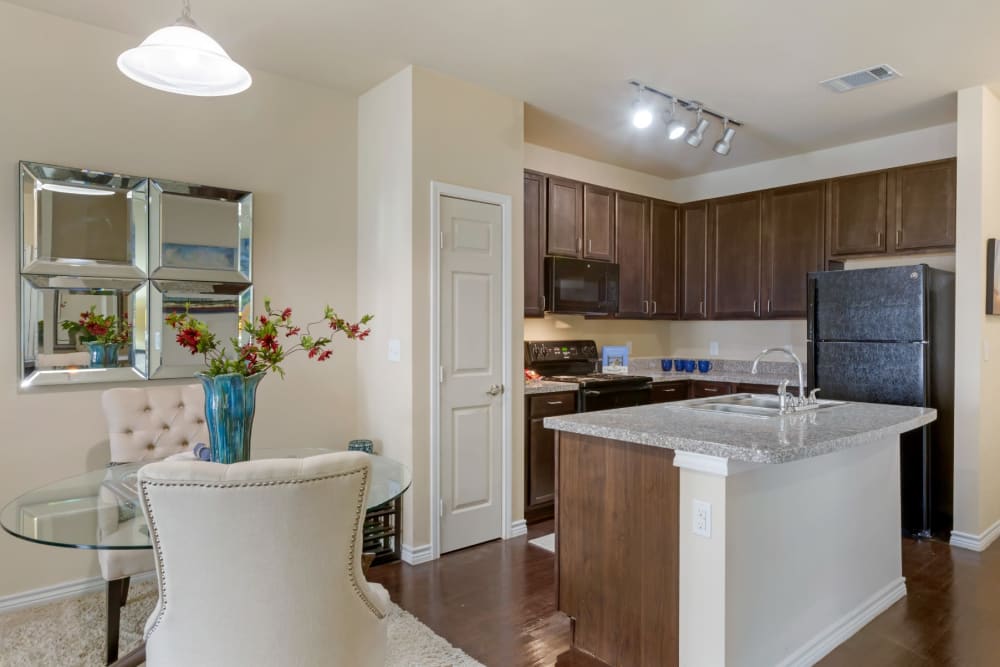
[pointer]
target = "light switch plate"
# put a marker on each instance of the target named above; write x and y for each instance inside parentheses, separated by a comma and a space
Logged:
(713, 348)
(394, 350)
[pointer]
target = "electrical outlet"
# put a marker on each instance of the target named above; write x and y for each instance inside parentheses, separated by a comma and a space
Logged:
(713, 348)
(701, 523)
(394, 350)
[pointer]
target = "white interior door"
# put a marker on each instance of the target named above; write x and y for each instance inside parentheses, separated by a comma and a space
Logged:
(471, 354)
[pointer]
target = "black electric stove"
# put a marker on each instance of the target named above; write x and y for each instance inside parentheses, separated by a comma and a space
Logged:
(578, 361)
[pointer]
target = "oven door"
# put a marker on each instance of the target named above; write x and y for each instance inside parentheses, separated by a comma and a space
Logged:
(581, 286)
(610, 398)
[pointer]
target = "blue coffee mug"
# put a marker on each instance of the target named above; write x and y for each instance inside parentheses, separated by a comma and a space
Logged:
(666, 364)
(704, 366)
(689, 365)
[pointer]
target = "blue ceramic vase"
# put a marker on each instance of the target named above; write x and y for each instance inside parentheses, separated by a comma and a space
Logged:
(103, 355)
(229, 407)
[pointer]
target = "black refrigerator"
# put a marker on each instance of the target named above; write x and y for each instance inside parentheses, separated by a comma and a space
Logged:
(887, 335)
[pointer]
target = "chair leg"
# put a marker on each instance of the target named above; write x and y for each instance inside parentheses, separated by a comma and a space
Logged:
(115, 597)
(125, 583)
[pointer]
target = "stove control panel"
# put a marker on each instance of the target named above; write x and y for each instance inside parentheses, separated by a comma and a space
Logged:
(560, 350)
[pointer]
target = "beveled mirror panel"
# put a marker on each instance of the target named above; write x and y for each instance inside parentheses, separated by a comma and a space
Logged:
(199, 232)
(82, 223)
(218, 305)
(57, 349)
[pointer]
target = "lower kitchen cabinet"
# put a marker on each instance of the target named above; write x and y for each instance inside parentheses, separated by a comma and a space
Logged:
(666, 392)
(750, 388)
(702, 389)
(540, 453)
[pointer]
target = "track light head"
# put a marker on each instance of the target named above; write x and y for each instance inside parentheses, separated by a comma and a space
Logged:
(642, 114)
(697, 135)
(675, 126)
(725, 144)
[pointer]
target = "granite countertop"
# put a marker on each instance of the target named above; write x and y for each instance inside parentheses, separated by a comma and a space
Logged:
(740, 438)
(722, 376)
(547, 387)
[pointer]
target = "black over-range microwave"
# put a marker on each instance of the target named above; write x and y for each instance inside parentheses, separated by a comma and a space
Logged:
(581, 286)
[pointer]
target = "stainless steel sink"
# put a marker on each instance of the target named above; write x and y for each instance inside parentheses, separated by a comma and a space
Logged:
(760, 406)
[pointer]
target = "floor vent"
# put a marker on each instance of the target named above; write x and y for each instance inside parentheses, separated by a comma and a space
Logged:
(864, 77)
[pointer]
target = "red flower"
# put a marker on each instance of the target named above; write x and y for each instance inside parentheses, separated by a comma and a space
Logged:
(364, 334)
(285, 314)
(269, 342)
(313, 351)
(189, 338)
(263, 319)
(324, 355)
(293, 331)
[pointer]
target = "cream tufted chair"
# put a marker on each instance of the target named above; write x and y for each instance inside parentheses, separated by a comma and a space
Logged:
(143, 425)
(259, 563)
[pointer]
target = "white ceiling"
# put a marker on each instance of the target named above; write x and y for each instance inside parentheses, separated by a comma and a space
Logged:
(569, 60)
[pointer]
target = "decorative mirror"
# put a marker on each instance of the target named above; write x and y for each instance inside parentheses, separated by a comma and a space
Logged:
(199, 232)
(219, 305)
(83, 223)
(79, 329)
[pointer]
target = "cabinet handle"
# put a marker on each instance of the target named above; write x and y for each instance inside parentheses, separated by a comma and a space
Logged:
(554, 402)
(645, 306)
(878, 239)
(654, 308)
(755, 306)
(899, 236)
(579, 245)
(769, 305)
(711, 389)
(543, 302)
(590, 245)
(701, 307)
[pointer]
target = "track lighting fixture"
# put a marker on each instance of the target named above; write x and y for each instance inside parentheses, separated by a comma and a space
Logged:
(725, 144)
(675, 126)
(643, 113)
(697, 135)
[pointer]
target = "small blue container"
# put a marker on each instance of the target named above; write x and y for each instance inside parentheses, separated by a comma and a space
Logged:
(666, 364)
(704, 366)
(689, 365)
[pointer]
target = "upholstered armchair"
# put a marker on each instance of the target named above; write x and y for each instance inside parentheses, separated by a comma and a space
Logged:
(143, 425)
(259, 563)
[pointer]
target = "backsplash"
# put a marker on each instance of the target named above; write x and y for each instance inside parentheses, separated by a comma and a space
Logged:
(765, 367)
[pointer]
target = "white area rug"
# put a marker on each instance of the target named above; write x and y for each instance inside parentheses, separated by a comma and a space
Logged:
(70, 633)
(547, 542)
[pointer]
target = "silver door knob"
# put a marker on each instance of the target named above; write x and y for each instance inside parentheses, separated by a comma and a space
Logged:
(495, 390)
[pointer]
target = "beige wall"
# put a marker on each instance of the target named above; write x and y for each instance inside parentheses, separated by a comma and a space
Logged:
(977, 336)
(292, 144)
(549, 161)
(461, 135)
(644, 339)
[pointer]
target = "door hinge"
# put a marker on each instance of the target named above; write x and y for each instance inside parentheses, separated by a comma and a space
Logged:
(441, 240)
(440, 374)
(440, 507)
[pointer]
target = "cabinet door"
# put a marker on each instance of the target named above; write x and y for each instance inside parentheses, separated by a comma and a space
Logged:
(793, 246)
(598, 223)
(694, 261)
(858, 214)
(632, 222)
(664, 260)
(564, 217)
(541, 480)
(667, 392)
(735, 236)
(534, 244)
(701, 389)
(924, 213)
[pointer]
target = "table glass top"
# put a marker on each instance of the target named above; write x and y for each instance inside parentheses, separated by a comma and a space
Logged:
(100, 509)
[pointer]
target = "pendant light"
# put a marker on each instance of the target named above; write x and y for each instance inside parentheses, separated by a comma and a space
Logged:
(184, 60)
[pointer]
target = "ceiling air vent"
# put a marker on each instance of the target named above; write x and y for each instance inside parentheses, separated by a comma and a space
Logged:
(864, 77)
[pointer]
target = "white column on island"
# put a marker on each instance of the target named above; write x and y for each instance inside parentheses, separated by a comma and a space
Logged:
(801, 554)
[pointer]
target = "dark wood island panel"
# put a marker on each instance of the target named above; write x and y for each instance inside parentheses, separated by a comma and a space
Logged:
(617, 558)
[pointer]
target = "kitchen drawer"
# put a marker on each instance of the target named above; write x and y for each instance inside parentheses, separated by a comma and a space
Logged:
(749, 388)
(547, 405)
(706, 389)
(665, 392)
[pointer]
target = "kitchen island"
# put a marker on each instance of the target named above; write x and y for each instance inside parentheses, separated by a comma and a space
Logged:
(704, 539)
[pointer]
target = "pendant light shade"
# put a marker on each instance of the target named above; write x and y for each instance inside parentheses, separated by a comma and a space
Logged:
(184, 60)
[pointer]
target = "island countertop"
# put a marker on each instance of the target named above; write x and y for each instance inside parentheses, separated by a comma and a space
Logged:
(774, 440)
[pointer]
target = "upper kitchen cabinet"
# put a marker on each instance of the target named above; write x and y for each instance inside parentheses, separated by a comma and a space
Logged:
(858, 210)
(792, 247)
(598, 223)
(734, 256)
(924, 208)
(632, 230)
(564, 217)
(664, 260)
(694, 261)
(534, 244)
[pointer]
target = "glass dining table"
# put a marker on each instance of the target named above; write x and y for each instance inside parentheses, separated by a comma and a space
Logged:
(100, 509)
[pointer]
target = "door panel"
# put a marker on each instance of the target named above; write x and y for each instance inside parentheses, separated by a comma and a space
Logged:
(694, 261)
(564, 217)
(472, 358)
(632, 220)
(858, 213)
(886, 304)
(664, 262)
(894, 373)
(735, 233)
(793, 246)
(534, 244)
(925, 206)
(598, 223)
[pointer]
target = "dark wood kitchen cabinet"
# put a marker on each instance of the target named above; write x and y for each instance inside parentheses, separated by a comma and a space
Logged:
(734, 257)
(664, 260)
(694, 261)
(702, 389)
(539, 453)
(563, 217)
(792, 247)
(923, 212)
(669, 391)
(598, 223)
(632, 223)
(858, 209)
(534, 244)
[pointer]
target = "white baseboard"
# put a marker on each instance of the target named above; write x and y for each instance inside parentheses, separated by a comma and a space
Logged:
(415, 555)
(980, 542)
(518, 528)
(840, 631)
(69, 589)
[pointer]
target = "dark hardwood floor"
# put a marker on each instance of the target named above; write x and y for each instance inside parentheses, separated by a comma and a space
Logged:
(496, 602)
